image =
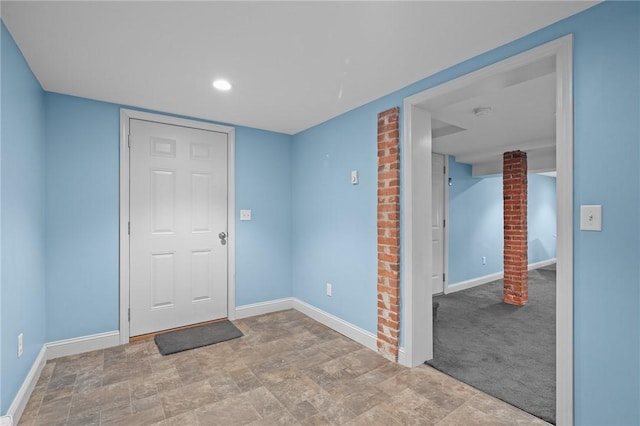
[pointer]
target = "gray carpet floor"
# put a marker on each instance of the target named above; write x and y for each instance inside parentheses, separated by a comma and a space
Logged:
(503, 350)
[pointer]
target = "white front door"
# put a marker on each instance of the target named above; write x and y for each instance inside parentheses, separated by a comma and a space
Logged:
(437, 222)
(178, 215)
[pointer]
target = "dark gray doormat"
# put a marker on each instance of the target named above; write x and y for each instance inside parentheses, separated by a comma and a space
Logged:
(191, 338)
(506, 351)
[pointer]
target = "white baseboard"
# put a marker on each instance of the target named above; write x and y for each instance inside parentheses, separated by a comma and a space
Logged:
(343, 327)
(353, 332)
(541, 264)
(246, 311)
(463, 285)
(53, 350)
(82, 344)
(24, 393)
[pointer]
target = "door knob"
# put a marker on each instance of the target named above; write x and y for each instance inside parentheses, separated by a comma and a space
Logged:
(223, 238)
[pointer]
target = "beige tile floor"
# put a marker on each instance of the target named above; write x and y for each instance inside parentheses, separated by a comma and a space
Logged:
(286, 370)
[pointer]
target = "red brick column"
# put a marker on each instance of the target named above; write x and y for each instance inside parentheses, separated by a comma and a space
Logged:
(388, 233)
(514, 183)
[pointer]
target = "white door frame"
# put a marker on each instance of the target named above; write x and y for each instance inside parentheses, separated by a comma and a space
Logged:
(125, 115)
(416, 160)
(445, 206)
(445, 227)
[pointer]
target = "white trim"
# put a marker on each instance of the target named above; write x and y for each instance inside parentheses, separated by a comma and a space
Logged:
(24, 393)
(418, 328)
(125, 116)
(255, 309)
(231, 223)
(446, 227)
(564, 250)
(79, 345)
(61, 348)
(123, 238)
(54, 350)
(416, 254)
(541, 264)
(343, 327)
(474, 282)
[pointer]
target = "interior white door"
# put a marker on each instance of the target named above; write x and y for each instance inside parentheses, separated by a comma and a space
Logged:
(178, 215)
(437, 222)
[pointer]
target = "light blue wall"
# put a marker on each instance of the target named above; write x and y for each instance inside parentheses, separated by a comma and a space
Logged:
(334, 222)
(82, 216)
(607, 159)
(22, 193)
(541, 217)
(476, 225)
(606, 281)
(263, 185)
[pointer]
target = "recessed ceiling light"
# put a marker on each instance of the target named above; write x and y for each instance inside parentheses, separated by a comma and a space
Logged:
(222, 84)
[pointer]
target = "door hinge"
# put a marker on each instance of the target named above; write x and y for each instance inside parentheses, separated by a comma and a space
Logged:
(129, 141)
(443, 277)
(444, 223)
(129, 315)
(444, 170)
(129, 228)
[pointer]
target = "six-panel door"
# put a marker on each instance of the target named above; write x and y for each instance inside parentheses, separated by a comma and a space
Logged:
(178, 214)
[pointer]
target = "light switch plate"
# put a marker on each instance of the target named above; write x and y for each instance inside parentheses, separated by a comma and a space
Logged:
(591, 218)
(245, 214)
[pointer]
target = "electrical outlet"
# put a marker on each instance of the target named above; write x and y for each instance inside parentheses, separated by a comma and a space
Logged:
(329, 289)
(20, 347)
(484, 260)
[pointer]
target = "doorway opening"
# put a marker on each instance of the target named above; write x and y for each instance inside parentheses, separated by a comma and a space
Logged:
(417, 233)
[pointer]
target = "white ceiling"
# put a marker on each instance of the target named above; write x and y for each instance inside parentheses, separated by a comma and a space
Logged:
(522, 117)
(292, 64)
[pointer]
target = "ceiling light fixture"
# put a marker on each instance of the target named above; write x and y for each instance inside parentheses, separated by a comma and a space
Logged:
(481, 111)
(222, 85)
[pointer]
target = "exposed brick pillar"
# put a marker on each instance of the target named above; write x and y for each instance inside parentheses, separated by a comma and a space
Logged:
(514, 183)
(388, 233)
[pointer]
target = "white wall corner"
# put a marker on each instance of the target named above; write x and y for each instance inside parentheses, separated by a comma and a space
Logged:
(343, 327)
(254, 309)
(24, 393)
(83, 344)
